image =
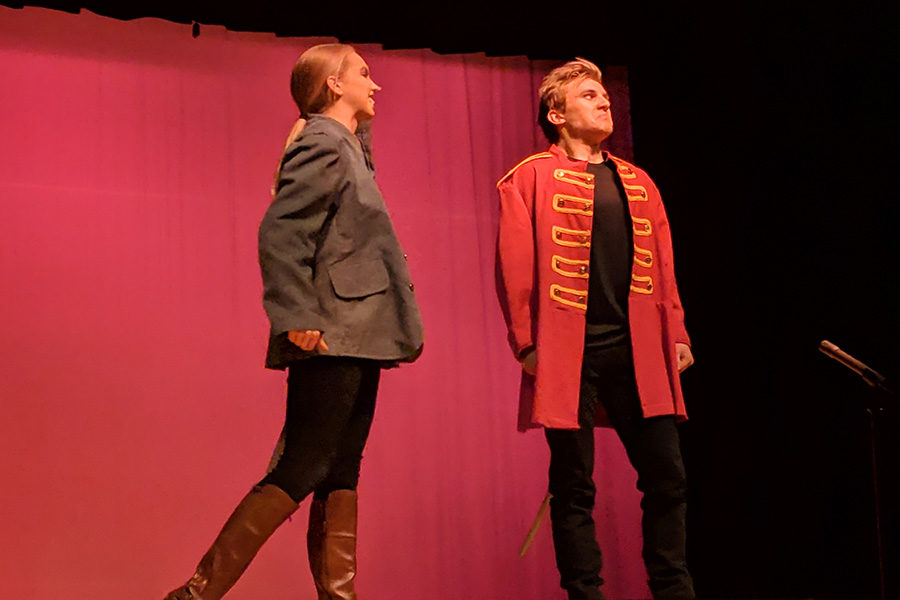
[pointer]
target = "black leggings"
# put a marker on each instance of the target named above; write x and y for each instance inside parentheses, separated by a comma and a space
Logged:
(653, 448)
(330, 405)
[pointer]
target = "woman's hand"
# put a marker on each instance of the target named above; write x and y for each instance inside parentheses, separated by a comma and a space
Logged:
(683, 356)
(308, 339)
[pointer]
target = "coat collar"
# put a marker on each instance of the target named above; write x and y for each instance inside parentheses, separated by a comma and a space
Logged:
(319, 122)
(574, 164)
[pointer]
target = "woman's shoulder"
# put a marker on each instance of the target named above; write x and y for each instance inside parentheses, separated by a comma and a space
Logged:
(322, 130)
(318, 140)
(316, 136)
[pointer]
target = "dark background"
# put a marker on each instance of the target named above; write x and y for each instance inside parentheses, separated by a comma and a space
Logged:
(771, 130)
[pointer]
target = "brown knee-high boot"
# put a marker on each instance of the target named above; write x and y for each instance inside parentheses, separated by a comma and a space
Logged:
(256, 517)
(331, 543)
(315, 545)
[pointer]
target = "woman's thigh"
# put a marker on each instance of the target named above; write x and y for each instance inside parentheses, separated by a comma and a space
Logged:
(323, 394)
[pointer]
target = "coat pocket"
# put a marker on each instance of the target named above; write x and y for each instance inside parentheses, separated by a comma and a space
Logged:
(358, 279)
(667, 318)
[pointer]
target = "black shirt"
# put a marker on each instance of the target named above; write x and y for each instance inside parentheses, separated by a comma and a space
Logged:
(611, 257)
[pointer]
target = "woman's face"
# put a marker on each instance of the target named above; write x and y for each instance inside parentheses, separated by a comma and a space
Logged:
(358, 88)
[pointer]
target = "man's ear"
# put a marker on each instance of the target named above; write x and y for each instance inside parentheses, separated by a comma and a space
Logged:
(555, 117)
(334, 84)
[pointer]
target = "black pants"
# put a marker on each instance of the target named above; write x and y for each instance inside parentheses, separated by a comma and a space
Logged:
(330, 405)
(653, 448)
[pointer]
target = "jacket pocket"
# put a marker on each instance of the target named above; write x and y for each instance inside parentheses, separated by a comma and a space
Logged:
(358, 279)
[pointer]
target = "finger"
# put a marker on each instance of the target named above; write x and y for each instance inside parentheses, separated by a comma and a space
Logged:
(312, 339)
(322, 346)
(307, 341)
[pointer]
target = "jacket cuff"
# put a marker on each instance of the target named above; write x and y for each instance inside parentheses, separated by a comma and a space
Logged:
(311, 323)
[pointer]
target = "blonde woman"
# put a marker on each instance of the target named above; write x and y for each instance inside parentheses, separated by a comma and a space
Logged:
(341, 307)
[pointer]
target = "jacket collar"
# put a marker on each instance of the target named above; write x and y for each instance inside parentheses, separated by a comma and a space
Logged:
(319, 122)
(574, 164)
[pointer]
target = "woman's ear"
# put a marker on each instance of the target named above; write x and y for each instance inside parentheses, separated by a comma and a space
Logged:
(334, 84)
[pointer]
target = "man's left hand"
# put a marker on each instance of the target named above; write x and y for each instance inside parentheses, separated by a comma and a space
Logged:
(683, 356)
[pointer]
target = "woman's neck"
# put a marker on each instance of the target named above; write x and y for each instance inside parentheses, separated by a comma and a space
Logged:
(342, 115)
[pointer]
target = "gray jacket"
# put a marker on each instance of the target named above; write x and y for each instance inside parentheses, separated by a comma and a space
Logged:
(329, 256)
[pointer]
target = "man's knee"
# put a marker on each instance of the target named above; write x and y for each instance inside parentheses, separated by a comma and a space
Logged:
(667, 491)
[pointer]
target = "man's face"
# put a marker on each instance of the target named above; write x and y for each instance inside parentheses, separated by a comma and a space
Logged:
(586, 115)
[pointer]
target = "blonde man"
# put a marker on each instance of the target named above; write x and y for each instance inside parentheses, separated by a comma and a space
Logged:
(593, 313)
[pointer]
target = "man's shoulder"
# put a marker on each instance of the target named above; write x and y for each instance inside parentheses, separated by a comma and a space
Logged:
(534, 160)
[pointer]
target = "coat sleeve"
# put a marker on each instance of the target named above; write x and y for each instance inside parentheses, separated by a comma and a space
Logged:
(515, 266)
(309, 188)
(667, 265)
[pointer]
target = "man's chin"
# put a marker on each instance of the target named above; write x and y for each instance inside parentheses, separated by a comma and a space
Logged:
(596, 137)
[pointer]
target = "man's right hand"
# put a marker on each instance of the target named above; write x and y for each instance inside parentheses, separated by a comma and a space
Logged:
(308, 339)
(529, 362)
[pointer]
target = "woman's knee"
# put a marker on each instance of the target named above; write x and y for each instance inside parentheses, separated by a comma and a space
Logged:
(296, 478)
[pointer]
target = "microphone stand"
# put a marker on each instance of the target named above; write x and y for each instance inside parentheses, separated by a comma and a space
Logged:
(875, 409)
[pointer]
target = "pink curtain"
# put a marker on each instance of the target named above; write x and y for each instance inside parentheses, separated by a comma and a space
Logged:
(135, 165)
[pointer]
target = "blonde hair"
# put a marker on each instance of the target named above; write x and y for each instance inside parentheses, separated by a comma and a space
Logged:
(309, 88)
(309, 77)
(552, 92)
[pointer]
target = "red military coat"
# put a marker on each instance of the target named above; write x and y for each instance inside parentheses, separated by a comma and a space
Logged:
(546, 214)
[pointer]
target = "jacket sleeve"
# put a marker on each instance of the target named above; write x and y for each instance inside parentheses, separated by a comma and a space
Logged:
(667, 265)
(309, 187)
(515, 266)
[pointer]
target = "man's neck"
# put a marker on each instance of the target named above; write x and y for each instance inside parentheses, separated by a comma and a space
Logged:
(580, 149)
